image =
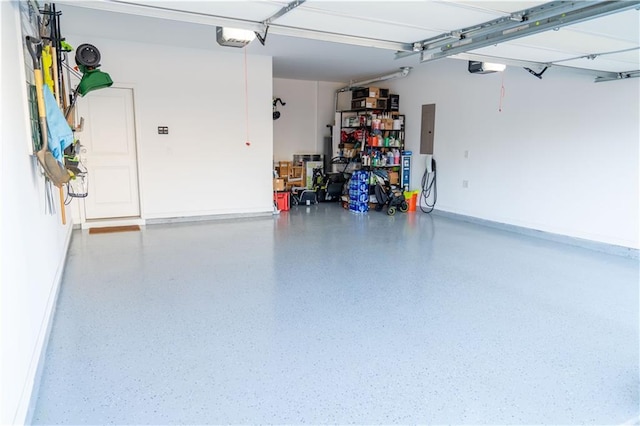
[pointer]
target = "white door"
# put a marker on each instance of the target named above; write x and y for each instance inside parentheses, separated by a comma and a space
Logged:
(108, 138)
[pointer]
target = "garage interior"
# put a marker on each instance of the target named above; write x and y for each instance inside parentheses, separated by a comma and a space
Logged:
(515, 301)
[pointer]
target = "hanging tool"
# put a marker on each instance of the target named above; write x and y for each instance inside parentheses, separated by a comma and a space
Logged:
(88, 61)
(49, 30)
(54, 37)
(276, 113)
(53, 170)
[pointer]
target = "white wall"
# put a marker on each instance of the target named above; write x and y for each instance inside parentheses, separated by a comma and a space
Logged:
(302, 123)
(326, 109)
(561, 157)
(203, 166)
(33, 245)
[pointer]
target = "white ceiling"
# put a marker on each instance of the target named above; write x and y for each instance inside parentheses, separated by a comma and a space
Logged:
(385, 24)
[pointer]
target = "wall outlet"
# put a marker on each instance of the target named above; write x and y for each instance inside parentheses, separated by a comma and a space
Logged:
(465, 184)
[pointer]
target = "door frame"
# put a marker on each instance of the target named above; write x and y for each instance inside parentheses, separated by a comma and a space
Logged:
(86, 224)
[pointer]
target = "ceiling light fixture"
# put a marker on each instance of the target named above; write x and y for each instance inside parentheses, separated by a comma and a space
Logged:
(477, 67)
(234, 37)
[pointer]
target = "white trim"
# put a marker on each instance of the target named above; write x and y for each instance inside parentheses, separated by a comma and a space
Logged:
(160, 221)
(536, 233)
(30, 391)
(136, 128)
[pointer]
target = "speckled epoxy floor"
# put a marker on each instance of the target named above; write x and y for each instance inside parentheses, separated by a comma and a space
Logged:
(324, 316)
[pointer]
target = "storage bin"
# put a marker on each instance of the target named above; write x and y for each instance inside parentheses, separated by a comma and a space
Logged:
(281, 200)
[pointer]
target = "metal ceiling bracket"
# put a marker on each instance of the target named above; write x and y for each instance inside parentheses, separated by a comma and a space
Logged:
(503, 23)
(542, 18)
(288, 8)
(537, 74)
(619, 76)
(262, 38)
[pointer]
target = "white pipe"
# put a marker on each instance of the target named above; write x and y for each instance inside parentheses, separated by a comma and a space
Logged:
(404, 71)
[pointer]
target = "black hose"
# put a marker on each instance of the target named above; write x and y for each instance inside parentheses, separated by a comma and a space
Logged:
(429, 187)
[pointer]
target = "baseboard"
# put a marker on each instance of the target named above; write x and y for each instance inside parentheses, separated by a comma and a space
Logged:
(565, 239)
(37, 363)
(101, 223)
(160, 221)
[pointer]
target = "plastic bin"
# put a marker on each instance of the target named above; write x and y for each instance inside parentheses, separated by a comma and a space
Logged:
(281, 200)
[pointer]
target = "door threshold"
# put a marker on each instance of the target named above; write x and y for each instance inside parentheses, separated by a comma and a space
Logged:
(120, 221)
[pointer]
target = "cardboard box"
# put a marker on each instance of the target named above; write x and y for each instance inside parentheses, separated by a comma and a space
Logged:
(350, 153)
(278, 184)
(284, 170)
(394, 178)
(372, 103)
(370, 92)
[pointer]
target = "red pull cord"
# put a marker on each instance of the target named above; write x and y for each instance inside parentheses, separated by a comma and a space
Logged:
(246, 96)
(501, 93)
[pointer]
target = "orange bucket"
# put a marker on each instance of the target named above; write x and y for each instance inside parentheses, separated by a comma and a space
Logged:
(412, 199)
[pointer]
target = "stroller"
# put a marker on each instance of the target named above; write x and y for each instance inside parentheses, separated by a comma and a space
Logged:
(389, 196)
(330, 186)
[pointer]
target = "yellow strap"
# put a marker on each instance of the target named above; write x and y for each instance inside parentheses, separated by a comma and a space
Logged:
(47, 62)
